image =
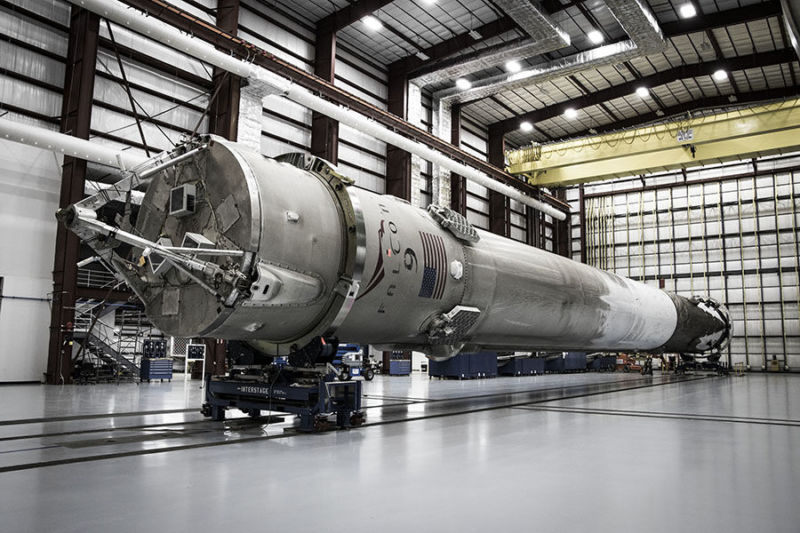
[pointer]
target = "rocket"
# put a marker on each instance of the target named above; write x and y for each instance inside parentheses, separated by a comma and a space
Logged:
(282, 253)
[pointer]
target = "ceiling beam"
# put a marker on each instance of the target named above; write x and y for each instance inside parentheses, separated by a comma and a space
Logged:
(776, 57)
(414, 65)
(338, 20)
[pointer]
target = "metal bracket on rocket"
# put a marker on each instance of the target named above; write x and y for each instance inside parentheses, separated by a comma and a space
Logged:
(103, 238)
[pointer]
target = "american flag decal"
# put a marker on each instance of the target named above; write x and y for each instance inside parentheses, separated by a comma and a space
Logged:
(434, 276)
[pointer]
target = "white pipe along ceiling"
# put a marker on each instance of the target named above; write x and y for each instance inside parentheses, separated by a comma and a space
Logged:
(278, 85)
(74, 147)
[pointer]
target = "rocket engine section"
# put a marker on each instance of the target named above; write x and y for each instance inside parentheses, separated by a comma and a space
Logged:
(280, 253)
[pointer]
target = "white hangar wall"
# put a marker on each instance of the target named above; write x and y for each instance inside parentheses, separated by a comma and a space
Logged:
(727, 231)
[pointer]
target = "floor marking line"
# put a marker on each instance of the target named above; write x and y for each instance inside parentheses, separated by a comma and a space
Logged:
(520, 404)
(92, 416)
(32, 449)
(669, 413)
(663, 417)
(117, 455)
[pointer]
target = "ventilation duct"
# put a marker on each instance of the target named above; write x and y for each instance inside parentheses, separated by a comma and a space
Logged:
(645, 39)
(791, 19)
(546, 35)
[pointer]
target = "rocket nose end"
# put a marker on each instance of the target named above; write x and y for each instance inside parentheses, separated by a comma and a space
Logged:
(717, 332)
(726, 326)
(703, 326)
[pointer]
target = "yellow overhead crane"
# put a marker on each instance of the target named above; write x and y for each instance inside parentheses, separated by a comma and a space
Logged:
(751, 132)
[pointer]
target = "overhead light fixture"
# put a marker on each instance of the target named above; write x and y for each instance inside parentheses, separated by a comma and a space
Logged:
(733, 99)
(659, 113)
(463, 84)
(593, 131)
(720, 75)
(526, 126)
(642, 92)
(688, 10)
(422, 55)
(475, 35)
(595, 36)
(571, 113)
(513, 66)
(372, 23)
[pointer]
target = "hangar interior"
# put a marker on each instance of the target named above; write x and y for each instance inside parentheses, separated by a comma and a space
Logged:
(658, 140)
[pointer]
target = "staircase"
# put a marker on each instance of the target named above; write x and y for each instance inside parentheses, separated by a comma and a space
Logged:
(115, 349)
(112, 343)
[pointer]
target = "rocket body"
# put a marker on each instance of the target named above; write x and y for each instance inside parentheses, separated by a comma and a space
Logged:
(324, 258)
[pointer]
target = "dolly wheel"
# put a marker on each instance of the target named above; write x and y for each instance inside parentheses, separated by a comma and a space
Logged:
(217, 413)
(369, 374)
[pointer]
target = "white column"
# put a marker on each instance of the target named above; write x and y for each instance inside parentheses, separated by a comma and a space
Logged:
(441, 128)
(415, 115)
(250, 113)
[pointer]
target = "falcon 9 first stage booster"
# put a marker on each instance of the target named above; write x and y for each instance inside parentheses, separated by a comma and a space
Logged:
(280, 253)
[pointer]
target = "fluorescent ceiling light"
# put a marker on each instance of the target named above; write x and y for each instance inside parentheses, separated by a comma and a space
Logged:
(571, 113)
(513, 66)
(595, 36)
(463, 84)
(372, 23)
(422, 55)
(720, 75)
(526, 126)
(475, 35)
(687, 11)
(642, 92)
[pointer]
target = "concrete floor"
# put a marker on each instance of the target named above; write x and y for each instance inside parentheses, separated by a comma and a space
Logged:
(507, 454)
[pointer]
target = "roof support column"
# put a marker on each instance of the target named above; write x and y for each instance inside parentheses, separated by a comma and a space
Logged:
(325, 130)
(414, 115)
(533, 227)
(582, 215)
(458, 185)
(442, 127)
(398, 162)
(223, 118)
(561, 229)
(499, 205)
(76, 112)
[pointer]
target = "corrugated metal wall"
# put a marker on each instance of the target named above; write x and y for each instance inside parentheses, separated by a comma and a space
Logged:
(729, 231)
(31, 80)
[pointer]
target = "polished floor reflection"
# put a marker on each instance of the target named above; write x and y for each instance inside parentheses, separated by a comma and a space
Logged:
(579, 452)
